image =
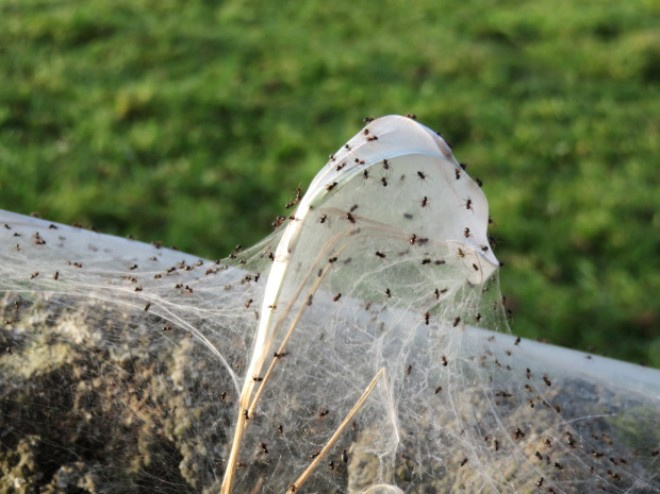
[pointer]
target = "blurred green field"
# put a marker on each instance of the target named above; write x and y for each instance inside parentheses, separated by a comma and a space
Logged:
(193, 122)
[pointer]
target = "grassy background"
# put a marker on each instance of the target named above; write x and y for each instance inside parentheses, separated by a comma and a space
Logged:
(192, 123)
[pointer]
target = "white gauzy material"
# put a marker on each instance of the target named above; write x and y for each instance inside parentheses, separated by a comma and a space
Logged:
(362, 347)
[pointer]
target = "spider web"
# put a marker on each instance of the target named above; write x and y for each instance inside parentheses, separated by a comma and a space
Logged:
(362, 347)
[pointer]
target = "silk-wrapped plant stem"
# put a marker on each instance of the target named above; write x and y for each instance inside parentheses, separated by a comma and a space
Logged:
(384, 140)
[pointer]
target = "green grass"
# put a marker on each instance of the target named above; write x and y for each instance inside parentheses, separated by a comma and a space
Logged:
(193, 122)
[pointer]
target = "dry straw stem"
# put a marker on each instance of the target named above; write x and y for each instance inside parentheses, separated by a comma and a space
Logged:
(358, 404)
